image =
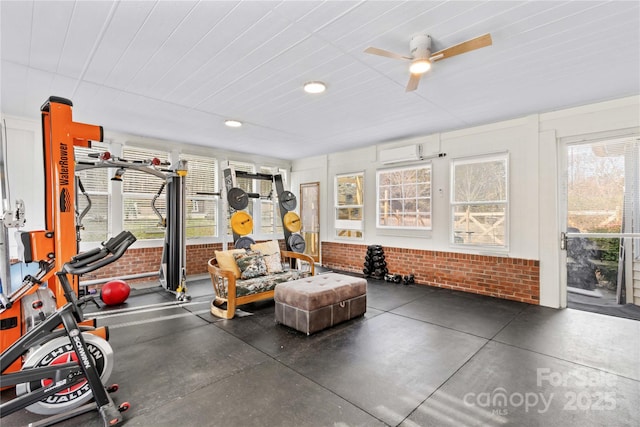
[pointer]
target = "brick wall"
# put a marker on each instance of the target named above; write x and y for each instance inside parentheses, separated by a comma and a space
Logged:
(501, 277)
(199, 255)
(145, 260)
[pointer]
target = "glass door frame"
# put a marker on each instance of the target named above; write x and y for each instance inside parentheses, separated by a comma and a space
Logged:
(563, 144)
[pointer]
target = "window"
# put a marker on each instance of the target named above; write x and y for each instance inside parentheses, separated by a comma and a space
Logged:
(349, 204)
(138, 190)
(95, 222)
(201, 204)
(404, 198)
(479, 201)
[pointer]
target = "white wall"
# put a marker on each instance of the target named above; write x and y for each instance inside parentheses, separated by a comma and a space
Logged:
(532, 144)
(25, 162)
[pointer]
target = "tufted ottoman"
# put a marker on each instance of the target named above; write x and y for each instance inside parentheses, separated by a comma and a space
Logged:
(314, 303)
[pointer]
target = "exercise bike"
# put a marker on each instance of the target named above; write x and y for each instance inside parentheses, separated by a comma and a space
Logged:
(61, 363)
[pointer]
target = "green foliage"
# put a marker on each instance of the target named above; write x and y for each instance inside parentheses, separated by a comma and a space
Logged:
(609, 248)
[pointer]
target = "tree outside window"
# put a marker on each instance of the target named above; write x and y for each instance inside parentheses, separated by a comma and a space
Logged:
(349, 205)
(479, 201)
(404, 198)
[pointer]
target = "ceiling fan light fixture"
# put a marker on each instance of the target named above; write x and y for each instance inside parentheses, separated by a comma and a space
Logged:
(233, 123)
(315, 87)
(420, 66)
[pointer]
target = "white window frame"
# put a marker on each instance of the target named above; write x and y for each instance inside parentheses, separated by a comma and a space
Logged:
(485, 158)
(158, 234)
(348, 225)
(276, 229)
(379, 172)
(81, 154)
(197, 198)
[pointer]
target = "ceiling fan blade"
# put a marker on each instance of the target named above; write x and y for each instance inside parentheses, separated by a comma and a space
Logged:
(386, 53)
(464, 47)
(413, 82)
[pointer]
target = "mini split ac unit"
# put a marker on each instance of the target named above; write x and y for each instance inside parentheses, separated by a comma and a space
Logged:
(401, 154)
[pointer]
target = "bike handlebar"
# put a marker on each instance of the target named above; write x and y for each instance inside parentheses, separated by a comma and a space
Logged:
(99, 257)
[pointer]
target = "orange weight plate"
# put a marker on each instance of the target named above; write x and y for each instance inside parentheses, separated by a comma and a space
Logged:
(241, 223)
(292, 222)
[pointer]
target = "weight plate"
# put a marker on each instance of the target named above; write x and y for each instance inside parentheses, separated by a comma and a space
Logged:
(292, 222)
(297, 244)
(238, 198)
(241, 223)
(244, 242)
(288, 200)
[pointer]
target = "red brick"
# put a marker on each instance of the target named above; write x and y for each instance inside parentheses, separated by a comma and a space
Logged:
(502, 277)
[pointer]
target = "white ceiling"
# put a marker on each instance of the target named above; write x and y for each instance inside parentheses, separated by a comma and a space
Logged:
(176, 69)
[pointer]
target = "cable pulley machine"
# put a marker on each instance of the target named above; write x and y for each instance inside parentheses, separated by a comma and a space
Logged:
(172, 271)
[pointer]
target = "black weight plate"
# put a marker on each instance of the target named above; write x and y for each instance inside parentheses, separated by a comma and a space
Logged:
(244, 242)
(238, 198)
(288, 200)
(297, 243)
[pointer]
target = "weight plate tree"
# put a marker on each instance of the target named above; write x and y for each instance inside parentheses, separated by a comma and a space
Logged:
(242, 224)
(291, 224)
(238, 199)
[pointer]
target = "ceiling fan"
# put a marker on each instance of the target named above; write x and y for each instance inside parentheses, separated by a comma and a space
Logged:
(421, 56)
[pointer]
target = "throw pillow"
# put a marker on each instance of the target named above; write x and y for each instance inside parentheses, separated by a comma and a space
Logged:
(251, 264)
(274, 263)
(271, 252)
(226, 261)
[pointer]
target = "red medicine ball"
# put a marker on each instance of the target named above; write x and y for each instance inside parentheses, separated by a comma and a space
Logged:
(115, 292)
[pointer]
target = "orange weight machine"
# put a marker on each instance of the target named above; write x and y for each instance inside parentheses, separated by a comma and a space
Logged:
(57, 244)
(45, 342)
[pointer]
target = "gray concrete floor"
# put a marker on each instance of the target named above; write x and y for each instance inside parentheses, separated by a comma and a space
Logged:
(419, 357)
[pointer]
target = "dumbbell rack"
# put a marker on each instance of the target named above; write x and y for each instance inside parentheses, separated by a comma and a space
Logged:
(375, 265)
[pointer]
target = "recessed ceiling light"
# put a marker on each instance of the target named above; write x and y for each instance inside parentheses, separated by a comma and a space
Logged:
(314, 87)
(233, 123)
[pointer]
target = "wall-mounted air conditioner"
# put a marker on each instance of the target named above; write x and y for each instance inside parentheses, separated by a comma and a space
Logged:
(407, 153)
